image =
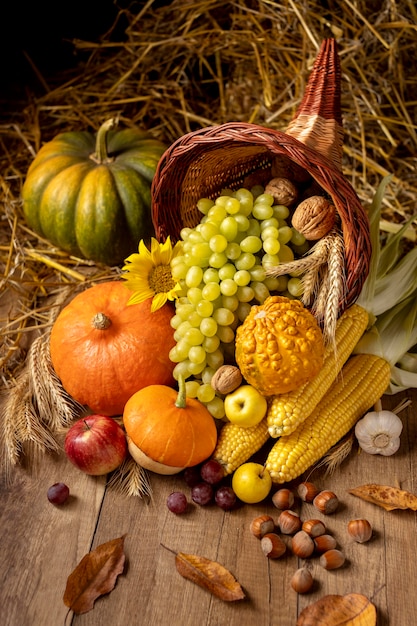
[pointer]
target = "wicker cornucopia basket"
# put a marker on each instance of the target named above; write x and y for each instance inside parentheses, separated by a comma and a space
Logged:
(202, 163)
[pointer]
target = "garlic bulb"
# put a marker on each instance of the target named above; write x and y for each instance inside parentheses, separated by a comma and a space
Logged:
(379, 432)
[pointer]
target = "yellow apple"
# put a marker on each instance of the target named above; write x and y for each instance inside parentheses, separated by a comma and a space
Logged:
(251, 482)
(245, 406)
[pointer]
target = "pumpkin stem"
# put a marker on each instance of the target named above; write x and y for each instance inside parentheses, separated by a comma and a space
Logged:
(100, 321)
(101, 155)
(181, 401)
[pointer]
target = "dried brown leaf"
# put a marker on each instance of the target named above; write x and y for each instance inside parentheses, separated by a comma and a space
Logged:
(389, 498)
(352, 609)
(209, 575)
(95, 575)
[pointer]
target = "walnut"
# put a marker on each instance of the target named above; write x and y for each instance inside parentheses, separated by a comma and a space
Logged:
(314, 217)
(283, 191)
(226, 379)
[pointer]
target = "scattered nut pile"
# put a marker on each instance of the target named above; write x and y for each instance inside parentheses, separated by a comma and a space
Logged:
(305, 538)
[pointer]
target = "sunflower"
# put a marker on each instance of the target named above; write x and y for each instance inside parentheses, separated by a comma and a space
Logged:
(148, 273)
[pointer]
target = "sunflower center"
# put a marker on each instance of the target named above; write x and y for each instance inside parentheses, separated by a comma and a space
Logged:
(160, 279)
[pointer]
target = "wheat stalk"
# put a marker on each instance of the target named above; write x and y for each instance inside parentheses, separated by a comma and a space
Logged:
(131, 479)
(336, 286)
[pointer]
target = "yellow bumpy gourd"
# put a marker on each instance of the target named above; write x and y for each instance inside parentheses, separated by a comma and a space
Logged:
(279, 346)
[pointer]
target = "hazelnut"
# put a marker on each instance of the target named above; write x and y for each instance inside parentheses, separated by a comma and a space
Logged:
(289, 522)
(262, 525)
(302, 545)
(360, 530)
(314, 527)
(326, 502)
(226, 379)
(307, 491)
(272, 546)
(322, 543)
(283, 499)
(332, 559)
(302, 580)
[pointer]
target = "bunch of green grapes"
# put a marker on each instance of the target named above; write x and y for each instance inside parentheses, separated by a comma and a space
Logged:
(222, 270)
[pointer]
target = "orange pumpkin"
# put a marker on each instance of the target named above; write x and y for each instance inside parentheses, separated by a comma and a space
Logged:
(167, 432)
(105, 350)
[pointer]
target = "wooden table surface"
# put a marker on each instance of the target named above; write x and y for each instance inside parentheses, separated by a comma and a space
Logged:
(41, 544)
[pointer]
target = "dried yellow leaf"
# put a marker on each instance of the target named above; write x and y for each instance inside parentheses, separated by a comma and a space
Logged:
(389, 498)
(353, 609)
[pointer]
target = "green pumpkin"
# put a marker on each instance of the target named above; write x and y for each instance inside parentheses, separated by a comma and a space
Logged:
(91, 196)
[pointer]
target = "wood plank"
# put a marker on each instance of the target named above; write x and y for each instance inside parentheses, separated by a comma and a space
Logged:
(41, 544)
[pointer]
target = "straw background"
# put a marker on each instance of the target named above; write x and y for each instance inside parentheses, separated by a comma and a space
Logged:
(173, 67)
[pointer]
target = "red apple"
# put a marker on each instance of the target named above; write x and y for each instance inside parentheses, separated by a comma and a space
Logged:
(96, 444)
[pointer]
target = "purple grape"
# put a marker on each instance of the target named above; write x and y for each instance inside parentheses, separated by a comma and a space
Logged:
(177, 502)
(58, 493)
(225, 498)
(212, 472)
(192, 476)
(202, 494)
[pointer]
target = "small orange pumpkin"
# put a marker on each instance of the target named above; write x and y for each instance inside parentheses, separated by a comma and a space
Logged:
(167, 432)
(104, 350)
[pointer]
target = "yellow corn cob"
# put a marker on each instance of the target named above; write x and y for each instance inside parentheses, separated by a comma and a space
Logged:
(286, 411)
(237, 444)
(363, 381)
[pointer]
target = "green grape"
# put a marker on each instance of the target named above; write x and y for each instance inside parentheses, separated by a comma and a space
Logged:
(211, 275)
(225, 334)
(182, 369)
(218, 243)
(232, 205)
(191, 388)
(183, 327)
(254, 228)
(211, 291)
(206, 393)
(286, 254)
(207, 374)
(251, 244)
(208, 230)
(265, 198)
(297, 239)
(245, 198)
(257, 272)
(257, 190)
(201, 253)
(215, 359)
(178, 269)
(175, 321)
(223, 317)
(243, 311)
(233, 251)
(246, 261)
(194, 295)
(281, 212)
(195, 368)
(195, 319)
(278, 283)
(204, 308)
(262, 211)
(230, 302)
(245, 294)
(217, 213)
(204, 205)
(271, 260)
(285, 234)
(194, 336)
(242, 222)
(228, 287)
(261, 291)
(211, 343)
(271, 222)
(194, 236)
(216, 408)
(269, 232)
(184, 232)
(227, 271)
(228, 229)
(208, 326)
(217, 259)
(271, 246)
(242, 278)
(295, 287)
(194, 276)
(197, 354)
(184, 310)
